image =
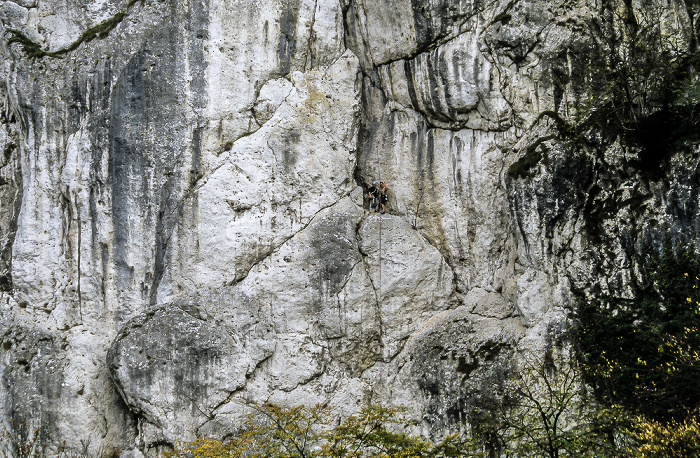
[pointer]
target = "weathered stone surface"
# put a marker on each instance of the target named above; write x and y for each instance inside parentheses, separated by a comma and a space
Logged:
(189, 189)
(443, 366)
(271, 183)
(453, 85)
(411, 279)
(10, 188)
(174, 366)
(391, 30)
(13, 13)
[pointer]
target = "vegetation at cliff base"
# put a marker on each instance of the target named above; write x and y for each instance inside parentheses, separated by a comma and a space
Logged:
(641, 358)
(304, 432)
(642, 353)
(542, 412)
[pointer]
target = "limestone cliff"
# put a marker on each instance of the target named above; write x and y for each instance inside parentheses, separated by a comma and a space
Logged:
(183, 222)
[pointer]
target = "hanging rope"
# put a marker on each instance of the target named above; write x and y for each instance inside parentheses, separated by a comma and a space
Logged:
(379, 295)
(379, 292)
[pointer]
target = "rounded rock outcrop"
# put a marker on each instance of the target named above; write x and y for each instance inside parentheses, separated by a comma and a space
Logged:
(174, 367)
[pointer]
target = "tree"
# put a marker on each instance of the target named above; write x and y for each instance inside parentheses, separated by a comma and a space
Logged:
(304, 432)
(630, 350)
(636, 80)
(544, 410)
(632, 62)
(674, 438)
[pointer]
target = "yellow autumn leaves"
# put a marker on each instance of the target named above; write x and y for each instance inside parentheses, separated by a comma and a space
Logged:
(305, 432)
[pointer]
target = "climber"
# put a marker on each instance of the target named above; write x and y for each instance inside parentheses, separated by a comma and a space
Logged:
(373, 197)
(383, 196)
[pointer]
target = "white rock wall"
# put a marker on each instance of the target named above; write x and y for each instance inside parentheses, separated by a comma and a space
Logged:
(183, 223)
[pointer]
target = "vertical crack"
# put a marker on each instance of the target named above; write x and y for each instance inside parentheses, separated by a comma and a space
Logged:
(310, 54)
(165, 227)
(80, 239)
(366, 266)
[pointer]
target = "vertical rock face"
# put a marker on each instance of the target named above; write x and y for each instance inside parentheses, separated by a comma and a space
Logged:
(182, 213)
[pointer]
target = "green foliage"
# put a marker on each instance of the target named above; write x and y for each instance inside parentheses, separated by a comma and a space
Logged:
(631, 80)
(285, 433)
(305, 432)
(641, 354)
(624, 434)
(654, 439)
(34, 51)
(544, 411)
(642, 358)
(638, 77)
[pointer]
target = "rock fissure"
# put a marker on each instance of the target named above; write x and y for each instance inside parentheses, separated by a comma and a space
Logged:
(208, 415)
(312, 39)
(276, 248)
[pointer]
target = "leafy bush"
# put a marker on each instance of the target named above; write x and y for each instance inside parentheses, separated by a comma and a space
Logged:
(666, 440)
(304, 432)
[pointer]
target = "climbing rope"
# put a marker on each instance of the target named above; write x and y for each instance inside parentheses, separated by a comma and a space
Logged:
(379, 290)
(379, 294)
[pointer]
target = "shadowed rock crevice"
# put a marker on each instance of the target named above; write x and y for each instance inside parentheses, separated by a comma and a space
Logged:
(10, 187)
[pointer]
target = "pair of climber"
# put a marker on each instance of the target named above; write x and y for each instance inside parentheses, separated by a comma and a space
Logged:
(378, 197)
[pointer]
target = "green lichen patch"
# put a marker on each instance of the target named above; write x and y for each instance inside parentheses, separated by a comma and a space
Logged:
(33, 50)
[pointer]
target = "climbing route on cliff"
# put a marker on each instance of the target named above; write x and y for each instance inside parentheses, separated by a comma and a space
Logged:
(183, 230)
(379, 176)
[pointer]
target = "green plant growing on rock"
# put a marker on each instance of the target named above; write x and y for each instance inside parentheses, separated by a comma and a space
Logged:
(34, 51)
(632, 80)
(637, 74)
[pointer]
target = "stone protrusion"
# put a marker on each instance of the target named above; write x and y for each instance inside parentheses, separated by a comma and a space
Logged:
(174, 366)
